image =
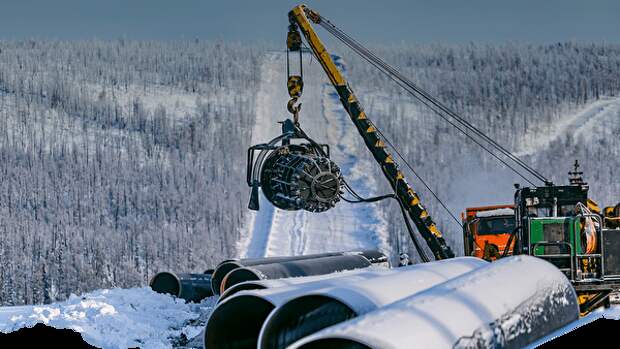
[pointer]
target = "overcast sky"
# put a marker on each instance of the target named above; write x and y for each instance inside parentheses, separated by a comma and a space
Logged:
(448, 21)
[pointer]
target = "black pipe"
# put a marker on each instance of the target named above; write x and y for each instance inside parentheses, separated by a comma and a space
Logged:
(334, 343)
(236, 323)
(190, 287)
(318, 311)
(227, 266)
(295, 268)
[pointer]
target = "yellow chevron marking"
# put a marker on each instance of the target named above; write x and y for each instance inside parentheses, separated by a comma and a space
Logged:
(371, 129)
(434, 230)
(380, 144)
(362, 116)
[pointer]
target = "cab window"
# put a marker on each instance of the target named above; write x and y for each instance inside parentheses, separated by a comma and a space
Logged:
(499, 225)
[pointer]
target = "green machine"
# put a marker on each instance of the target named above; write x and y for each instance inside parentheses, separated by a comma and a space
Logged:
(558, 239)
(555, 224)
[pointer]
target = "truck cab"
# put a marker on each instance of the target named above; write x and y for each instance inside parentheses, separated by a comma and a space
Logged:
(487, 230)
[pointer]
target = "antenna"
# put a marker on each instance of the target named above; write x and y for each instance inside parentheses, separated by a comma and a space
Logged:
(575, 177)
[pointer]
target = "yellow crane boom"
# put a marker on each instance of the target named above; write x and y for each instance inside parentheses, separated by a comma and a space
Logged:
(300, 19)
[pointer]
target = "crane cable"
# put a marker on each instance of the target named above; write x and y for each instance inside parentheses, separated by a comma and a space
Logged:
(426, 103)
(428, 100)
(418, 247)
(412, 88)
(415, 173)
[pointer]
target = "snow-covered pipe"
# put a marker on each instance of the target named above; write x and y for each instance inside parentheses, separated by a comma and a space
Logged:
(507, 304)
(295, 268)
(236, 322)
(191, 287)
(225, 267)
(318, 309)
(263, 284)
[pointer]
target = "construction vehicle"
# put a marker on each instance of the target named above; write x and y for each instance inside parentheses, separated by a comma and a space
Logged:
(550, 222)
(486, 230)
(563, 226)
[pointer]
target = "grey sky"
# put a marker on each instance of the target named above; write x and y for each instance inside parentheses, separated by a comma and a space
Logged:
(450, 21)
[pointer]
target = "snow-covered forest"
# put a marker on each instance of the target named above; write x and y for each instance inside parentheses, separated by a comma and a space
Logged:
(119, 159)
(123, 158)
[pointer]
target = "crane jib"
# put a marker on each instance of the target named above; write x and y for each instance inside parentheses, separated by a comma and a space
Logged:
(408, 198)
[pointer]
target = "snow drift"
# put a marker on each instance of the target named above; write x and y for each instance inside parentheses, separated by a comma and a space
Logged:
(115, 318)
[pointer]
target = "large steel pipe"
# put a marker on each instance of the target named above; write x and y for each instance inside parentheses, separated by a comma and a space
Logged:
(225, 267)
(190, 287)
(507, 304)
(295, 268)
(263, 284)
(236, 322)
(325, 307)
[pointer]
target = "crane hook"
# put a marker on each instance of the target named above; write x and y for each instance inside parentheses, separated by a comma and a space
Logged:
(294, 109)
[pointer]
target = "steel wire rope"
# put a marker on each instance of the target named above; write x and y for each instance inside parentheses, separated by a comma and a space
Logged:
(409, 85)
(401, 84)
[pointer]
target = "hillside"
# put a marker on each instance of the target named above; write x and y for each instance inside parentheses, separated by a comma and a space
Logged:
(112, 161)
(122, 158)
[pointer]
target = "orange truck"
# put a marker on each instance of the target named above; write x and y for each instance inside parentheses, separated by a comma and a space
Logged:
(487, 229)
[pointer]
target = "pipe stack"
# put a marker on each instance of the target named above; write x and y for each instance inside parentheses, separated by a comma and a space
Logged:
(324, 307)
(190, 287)
(225, 267)
(507, 304)
(225, 328)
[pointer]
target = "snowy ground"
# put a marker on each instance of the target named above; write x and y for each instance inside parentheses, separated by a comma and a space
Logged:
(117, 318)
(273, 232)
